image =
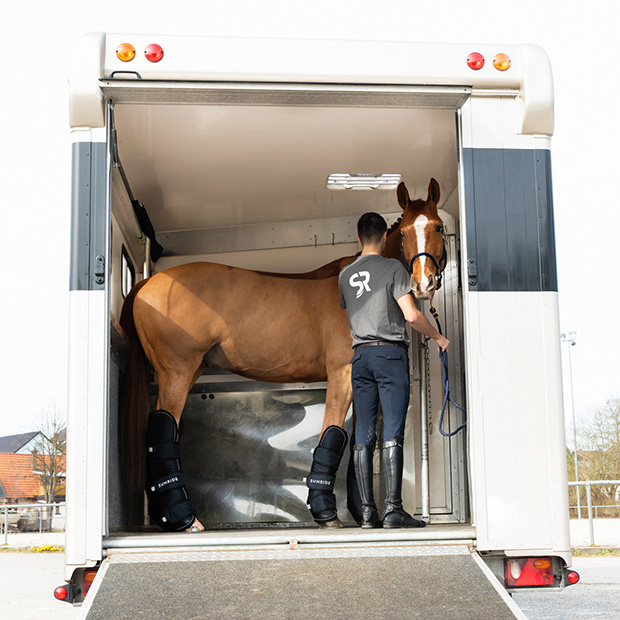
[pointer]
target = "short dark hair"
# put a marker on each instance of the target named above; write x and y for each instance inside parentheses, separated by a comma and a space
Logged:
(370, 228)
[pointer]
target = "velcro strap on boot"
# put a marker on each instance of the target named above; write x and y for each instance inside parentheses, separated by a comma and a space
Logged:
(178, 516)
(326, 457)
(321, 482)
(168, 483)
(169, 450)
(323, 507)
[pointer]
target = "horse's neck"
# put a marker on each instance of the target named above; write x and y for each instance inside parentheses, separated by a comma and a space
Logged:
(392, 245)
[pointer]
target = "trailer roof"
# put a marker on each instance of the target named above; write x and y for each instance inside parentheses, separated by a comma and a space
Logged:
(197, 167)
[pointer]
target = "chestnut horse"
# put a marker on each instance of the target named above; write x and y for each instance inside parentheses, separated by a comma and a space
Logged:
(280, 329)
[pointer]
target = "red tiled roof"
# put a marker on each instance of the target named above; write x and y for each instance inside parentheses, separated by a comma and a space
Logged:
(17, 477)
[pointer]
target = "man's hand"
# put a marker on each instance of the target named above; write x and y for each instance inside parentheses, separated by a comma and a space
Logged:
(442, 343)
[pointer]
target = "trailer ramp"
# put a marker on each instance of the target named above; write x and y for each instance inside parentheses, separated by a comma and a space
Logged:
(300, 581)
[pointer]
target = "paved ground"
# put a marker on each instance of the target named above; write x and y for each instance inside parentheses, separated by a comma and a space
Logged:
(28, 581)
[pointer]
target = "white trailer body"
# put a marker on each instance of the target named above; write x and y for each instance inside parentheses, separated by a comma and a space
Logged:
(228, 143)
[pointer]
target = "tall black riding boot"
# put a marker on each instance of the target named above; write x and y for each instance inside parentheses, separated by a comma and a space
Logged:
(362, 461)
(394, 515)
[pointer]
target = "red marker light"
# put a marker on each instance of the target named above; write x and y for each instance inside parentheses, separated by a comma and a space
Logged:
(61, 593)
(125, 52)
(572, 577)
(154, 52)
(475, 61)
(501, 62)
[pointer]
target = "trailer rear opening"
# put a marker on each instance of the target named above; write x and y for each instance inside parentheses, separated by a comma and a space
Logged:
(230, 155)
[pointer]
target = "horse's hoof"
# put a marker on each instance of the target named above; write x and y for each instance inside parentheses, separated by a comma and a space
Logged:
(196, 526)
(333, 523)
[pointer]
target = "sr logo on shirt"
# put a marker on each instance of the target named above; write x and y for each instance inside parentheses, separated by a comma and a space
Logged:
(360, 281)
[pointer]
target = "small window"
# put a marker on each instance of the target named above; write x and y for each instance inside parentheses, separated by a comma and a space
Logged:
(128, 273)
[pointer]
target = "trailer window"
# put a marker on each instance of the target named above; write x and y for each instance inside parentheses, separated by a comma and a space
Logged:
(128, 273)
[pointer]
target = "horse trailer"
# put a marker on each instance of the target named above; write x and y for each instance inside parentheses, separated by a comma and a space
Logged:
(221, 149)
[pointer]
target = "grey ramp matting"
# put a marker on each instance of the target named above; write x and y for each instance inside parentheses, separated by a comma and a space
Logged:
(429, 587)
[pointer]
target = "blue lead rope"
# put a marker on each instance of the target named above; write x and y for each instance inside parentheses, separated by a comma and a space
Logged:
(445, 384)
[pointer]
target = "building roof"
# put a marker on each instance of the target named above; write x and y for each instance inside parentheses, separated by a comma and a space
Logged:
(14, 443)
(17, 477)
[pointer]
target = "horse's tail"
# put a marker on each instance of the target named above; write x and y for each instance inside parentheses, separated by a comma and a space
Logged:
(134, 404)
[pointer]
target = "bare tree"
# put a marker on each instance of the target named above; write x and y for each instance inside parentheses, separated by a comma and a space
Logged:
(48, 452)
(600, 450)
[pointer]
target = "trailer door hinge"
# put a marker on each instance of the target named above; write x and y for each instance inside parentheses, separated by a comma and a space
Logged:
(100, 269)
(472, 271)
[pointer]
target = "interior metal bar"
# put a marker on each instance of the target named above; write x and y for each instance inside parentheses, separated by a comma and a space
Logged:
(299, 233)
(284, 94)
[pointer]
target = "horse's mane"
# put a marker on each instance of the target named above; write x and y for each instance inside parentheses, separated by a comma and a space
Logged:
(395, 225)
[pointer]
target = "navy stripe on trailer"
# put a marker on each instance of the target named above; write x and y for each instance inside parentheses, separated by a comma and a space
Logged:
(510, 228)
(88, 216)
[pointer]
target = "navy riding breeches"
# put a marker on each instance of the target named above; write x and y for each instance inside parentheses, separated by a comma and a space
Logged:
(380, 374)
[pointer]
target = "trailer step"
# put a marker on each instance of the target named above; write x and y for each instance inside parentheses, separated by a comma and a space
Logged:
(249, 537)
(300, 581)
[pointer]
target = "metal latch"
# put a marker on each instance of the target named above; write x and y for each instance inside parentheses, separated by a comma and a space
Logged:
(472, 271)
(100, 269)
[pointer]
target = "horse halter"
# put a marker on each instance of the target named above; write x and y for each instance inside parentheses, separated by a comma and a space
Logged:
(441, 264)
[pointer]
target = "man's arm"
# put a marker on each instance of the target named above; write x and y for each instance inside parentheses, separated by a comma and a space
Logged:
(420, 323)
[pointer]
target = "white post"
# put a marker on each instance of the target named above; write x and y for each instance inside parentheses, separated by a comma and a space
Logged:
(591, 522)
(571, 341)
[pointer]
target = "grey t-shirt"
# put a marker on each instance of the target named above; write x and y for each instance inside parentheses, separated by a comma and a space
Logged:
(369, 290)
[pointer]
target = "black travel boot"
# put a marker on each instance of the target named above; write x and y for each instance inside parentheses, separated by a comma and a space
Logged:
(354, 499)
(362, 461)
(394, 515)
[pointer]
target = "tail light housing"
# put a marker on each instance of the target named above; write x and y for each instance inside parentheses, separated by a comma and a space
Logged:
(76, 590)
(528, 572)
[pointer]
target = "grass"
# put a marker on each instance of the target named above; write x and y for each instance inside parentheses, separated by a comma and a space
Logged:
(598, 552)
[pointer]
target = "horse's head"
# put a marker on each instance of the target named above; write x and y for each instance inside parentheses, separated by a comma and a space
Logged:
(422, 240)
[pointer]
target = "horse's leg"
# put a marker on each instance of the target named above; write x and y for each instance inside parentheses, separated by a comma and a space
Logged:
(170, 504)
(328, 454)
(174, 386)
(339, 396)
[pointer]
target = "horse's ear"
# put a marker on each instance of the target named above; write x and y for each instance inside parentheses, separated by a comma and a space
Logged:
(403, 195)
(433, 192)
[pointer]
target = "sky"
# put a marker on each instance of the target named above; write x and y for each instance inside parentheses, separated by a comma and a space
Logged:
(35, 163)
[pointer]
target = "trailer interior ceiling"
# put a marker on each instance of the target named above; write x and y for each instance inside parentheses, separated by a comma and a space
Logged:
(211, 166)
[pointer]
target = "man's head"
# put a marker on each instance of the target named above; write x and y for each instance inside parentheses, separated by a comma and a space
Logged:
(371, 229)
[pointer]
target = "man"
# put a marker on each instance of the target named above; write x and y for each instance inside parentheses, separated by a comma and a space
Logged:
(375, 291)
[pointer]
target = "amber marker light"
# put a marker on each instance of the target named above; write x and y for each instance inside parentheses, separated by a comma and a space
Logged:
(501, 62)
(125, 52)
(154, 52)
(475, 61)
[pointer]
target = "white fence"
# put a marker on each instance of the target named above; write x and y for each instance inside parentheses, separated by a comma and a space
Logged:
(31, 518)
(588, 484)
